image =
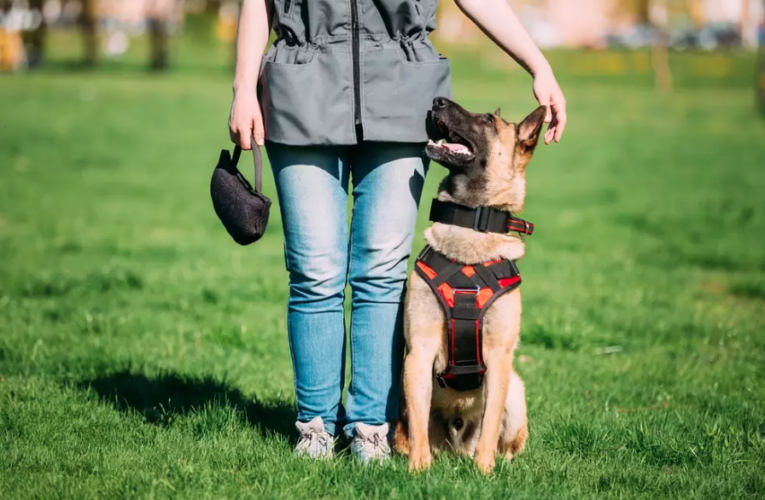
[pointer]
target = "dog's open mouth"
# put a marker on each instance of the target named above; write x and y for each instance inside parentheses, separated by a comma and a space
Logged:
(453, 148)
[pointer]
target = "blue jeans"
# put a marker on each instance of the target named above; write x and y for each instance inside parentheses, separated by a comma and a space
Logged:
(321, 257)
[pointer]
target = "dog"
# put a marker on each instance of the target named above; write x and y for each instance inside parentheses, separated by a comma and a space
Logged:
(486, 159)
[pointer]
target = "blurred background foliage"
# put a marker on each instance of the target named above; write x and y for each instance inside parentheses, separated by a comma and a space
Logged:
(628, 38)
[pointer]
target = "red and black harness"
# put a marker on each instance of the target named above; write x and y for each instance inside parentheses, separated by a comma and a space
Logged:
(466, 291)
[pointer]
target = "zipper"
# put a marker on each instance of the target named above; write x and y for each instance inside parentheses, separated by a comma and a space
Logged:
(356, 66)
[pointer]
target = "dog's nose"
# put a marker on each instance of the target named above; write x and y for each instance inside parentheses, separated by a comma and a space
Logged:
(440, 102)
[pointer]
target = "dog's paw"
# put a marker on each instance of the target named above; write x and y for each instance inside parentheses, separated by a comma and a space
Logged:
(419, 462)
(485, 462)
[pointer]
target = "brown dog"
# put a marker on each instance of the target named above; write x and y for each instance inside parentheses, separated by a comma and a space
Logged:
(486, 158)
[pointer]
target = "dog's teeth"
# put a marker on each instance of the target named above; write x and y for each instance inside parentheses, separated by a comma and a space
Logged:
(431, 143)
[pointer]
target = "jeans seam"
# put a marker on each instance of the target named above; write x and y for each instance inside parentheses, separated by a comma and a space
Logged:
(292, 357)
(347, 280)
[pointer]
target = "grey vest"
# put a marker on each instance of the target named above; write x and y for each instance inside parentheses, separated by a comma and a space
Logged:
(343, 67)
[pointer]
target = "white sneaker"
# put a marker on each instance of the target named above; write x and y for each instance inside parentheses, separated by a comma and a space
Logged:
(371, 442)
(314, 441)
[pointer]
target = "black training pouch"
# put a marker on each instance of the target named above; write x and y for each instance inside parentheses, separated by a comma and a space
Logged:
(242, 210)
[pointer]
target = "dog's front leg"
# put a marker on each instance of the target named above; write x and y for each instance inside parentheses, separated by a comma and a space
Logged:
(418, 387)
(496, 386)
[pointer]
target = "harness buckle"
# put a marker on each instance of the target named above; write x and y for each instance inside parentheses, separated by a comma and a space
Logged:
(475, 290)
(481, 219)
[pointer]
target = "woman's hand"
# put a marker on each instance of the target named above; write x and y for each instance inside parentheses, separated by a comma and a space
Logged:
(548, 93)
(246, 119)
(497, 19)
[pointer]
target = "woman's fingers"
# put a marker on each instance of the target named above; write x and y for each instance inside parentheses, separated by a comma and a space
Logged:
(550, 134)
(559, 111)
(245, 137)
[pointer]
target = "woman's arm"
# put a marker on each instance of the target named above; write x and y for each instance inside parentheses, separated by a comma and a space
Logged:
(246, 119)
(497, 19)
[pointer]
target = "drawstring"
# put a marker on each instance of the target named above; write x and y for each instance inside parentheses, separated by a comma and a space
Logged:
(316, 436)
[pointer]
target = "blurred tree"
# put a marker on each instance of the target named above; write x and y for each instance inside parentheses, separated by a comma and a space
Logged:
(160, 15)
(639, 10)
(158, 34)
(658, 17)
(212, 7)
(653, 13)
(761, 65)
(88, 27)
(35, 38)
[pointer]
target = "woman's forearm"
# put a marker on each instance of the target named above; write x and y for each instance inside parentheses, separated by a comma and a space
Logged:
(251, 41)
(497, 19)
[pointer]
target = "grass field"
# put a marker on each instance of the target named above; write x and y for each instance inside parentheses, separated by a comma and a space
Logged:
(144, 355)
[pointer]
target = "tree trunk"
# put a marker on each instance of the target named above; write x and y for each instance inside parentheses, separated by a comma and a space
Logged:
(89, 33)
(761, 66)
(659, 15)
(160, 60)
(35, 39)
(160, 14)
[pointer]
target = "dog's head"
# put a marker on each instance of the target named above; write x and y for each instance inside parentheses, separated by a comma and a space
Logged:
(485, 155)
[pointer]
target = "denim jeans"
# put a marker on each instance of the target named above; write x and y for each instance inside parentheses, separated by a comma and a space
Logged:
(322, 257)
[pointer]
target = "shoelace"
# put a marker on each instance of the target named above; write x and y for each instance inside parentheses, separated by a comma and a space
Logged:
(319, 437)
(377, 441)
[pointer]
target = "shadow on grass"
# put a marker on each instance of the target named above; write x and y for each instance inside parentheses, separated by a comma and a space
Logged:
(161, 399)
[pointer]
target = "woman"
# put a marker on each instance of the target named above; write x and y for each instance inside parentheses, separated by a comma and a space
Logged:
(343, 97)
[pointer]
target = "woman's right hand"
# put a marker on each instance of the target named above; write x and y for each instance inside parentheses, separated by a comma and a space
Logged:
(246, 119)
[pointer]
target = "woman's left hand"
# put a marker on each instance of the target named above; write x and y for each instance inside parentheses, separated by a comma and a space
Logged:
(548, 93)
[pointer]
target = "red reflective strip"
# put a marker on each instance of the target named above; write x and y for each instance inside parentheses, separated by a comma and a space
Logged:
(483, 297)
(452, 343)
(429, 272)
(478, 339)
(506, 282)
(495, 261)
(468, 271)
(520, 227)
(447, 293)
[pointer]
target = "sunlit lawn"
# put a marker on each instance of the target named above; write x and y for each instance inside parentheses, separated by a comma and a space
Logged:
(144, 355)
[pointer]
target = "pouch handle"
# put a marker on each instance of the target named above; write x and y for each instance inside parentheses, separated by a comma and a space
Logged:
(258, 159)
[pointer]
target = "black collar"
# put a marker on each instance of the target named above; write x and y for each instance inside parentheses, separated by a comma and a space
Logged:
(483, 219)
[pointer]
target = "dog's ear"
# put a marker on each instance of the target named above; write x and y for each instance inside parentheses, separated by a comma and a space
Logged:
(530, 127)
(498, 113)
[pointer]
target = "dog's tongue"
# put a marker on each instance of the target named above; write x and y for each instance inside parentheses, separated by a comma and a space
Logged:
(452, 146)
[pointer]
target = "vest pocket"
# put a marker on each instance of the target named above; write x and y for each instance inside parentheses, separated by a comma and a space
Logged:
(399, 93)
(307, 104)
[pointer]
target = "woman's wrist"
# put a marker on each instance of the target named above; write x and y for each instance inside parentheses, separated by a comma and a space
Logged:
(540, 67)
(247, 85)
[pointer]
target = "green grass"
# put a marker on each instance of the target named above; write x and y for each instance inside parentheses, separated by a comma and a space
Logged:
(144, 355)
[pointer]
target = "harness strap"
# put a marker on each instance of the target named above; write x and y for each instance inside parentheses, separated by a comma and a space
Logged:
(483, 219)
(465, 292)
